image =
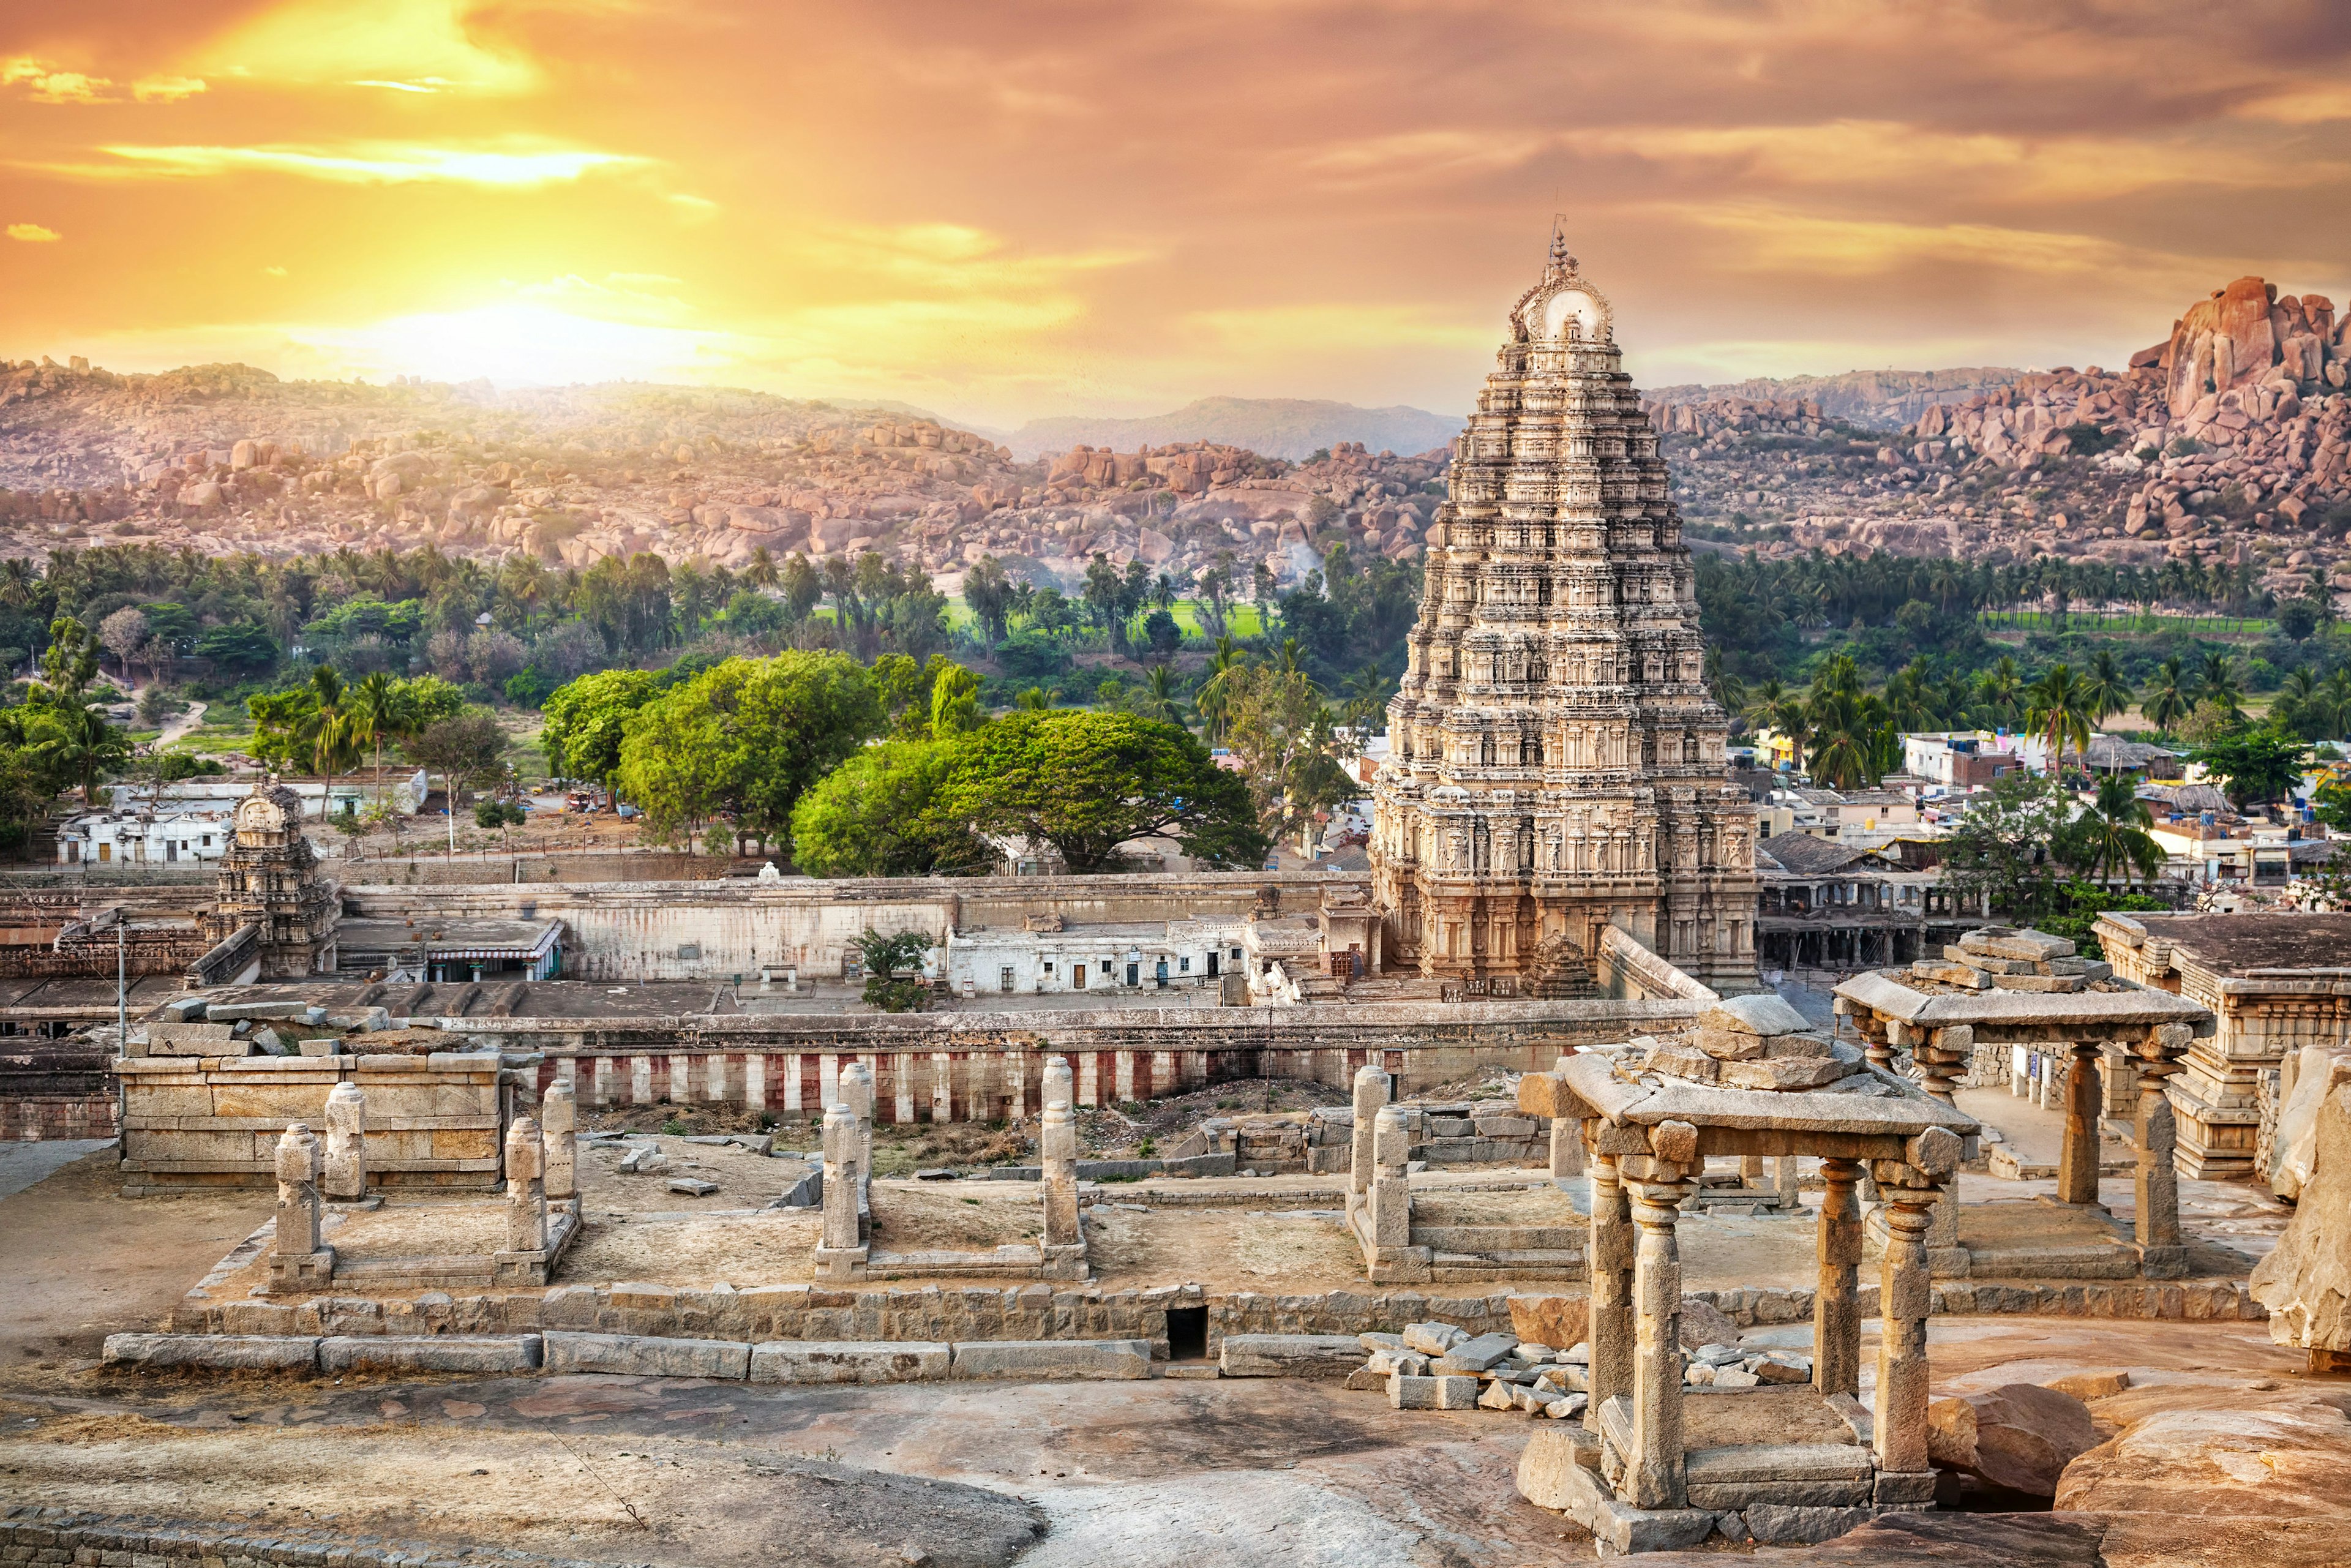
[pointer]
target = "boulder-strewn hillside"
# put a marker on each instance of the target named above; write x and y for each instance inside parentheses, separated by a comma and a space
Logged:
(1279, 427)
(1879, 399)
(223, 458)
(2230, 438)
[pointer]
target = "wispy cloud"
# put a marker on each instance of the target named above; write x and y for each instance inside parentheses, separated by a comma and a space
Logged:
(379, 162)
(414, 45)
(34, 234)
(45, 83)
(166, 89)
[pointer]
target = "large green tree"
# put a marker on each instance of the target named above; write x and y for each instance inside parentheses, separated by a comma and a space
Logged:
(2257, 764)
(748, 736)
(587, 717)
(875, 815)
(1087, 782)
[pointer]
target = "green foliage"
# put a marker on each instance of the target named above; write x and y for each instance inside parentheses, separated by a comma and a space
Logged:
(587, 717)
(530, 687)
(893, 968)
(499, 814)
(464, 748)
(746, 737)
(2004, 846)
(2082, 904)
(1087, 782)
(2298, 619)
(875, 815)
(239, 647)
(2258, 765)
(1034, 656)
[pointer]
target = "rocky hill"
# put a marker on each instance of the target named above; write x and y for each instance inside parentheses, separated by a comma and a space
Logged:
(1294, 428)
(1886, 400)
(2228, 438)
(225, 458)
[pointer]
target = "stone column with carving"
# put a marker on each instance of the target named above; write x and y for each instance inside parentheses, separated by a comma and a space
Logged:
(346, 1151)
(841, 1253)
(1371, 1097)
(2077, 1161)
(857, 1093)
(1388, 1223)
(1609, 1265)
(526, 1188)
(2155, 1183)
(1654, 1471)
(1836, 1308)
(299, 1259)
(1905, 1301)
(559, 1127)
(1058, 1149)
(1566, 1131)
(1060, 1085)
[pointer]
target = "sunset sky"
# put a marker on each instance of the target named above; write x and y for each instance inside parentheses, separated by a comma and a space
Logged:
(1006, 209)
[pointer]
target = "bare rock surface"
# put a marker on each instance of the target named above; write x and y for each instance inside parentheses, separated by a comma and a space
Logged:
(1931, 1540)
(2306, 1281)
(2019, 1437)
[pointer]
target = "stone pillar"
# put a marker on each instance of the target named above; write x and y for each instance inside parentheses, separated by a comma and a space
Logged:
(1371, 1098)
(1904, 1299)
(526, 1188)
(1566, 1136)
(681, 1078)
(299, 1164)
(1388, 1204)
(2077, 1163)
(1611, 1266)
(841, 1254)
(346, 1153)
(1836, 1310)
(2155, 1183)
(857, 1093)
(1788, 1181)
(791, 1062)
(755, 1081)
(1057, 1150)
(641, 1081)
(1653, 1475)
(1057, 1083)
(1750, 1171)
(942, 1087)
(559, 1120)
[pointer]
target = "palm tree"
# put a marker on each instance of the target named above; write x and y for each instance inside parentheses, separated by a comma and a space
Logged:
(1849, 731)
(1160, 698)
(2218, 681)
(378, 713)
(2300, 705)
(1213, 699)
(1792, 718)
(2337, 699)
(2121, 821)
(761, 572)
(2002, 689)
(2107, 691)
(2061, 710)
(78, 743)
(333, 742)
(2167, 700)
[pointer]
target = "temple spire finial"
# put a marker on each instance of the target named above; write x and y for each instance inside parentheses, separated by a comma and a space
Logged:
(1562, 261)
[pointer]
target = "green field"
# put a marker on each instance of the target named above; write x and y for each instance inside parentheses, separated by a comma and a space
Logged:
(2126, 622)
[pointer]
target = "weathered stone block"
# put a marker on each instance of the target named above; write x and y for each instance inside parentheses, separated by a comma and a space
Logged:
(1291, 1355)
(644, 1355)
(222, 1353)
(1775, 1524)
(853, 1360)
(1041, 1361)
(430, 1352)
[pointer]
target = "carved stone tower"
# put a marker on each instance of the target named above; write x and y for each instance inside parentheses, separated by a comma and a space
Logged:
(269, 878)
(1557, 764)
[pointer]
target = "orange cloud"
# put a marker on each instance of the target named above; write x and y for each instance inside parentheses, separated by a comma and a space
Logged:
(34, 234)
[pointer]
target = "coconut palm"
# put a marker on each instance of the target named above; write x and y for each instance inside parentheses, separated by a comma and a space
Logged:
(1213, 699)
(1160, 698)
(2168, 697)
(2119, 821)
(2218, 681)
(2107, 691)
(1849, 734)
(2002, 689)
(2061, 711)
(76, 742)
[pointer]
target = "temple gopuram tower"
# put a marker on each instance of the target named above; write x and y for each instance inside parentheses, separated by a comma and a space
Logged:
(1557, 762)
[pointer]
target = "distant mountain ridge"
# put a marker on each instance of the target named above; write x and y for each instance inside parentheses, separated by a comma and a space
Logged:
(1889, 398)
(1277, 427)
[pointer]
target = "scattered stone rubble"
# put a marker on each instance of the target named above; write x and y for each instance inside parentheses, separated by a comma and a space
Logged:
(2001, 957)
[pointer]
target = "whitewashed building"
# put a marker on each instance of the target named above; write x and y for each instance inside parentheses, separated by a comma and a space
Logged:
(1046, 955)
(168, 836)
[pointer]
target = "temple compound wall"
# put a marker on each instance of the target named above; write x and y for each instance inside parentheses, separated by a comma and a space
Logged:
(721, 930)
(1557, 764)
